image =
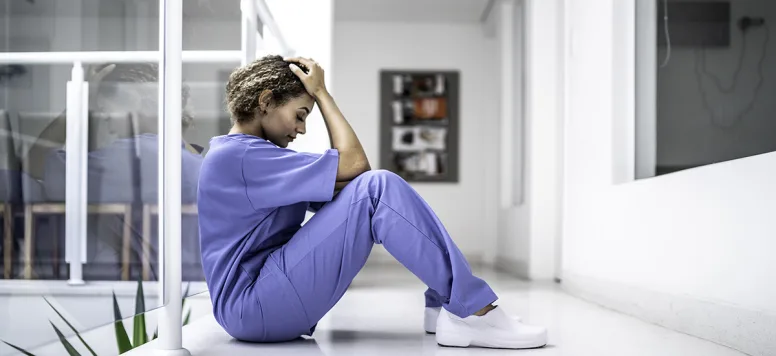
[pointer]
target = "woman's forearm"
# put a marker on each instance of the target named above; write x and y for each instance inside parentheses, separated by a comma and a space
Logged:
(353, 160)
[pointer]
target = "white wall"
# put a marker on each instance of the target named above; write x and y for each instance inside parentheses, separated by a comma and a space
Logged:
(700, 239)
(311, 33)
(513, 246)
(688, 134)
(361, 50)
(530, 226)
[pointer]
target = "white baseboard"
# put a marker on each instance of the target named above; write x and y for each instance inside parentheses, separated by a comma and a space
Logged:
(60, 288)
(512, 267)
(749, 331)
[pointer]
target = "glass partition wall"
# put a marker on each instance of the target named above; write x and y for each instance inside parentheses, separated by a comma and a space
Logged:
(106, 110)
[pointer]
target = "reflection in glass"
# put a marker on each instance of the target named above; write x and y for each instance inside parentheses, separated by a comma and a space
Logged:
(714, 79)
(122, 244)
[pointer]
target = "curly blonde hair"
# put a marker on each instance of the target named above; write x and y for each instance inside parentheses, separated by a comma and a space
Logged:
(248, 82)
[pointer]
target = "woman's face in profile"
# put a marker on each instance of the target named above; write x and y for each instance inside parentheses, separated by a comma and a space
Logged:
(283, 123)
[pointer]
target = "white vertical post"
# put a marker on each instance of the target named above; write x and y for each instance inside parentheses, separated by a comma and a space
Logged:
(646, 88)
(565, 38)
(518, 122)
(249, 31)
(170, 135)
(75, 173)
(83, 153)
(509, 142)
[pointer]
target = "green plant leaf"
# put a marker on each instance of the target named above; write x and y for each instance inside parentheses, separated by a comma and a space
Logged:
(70, 349)
(183, 305)
(19, 349)
(116, 309)
(186, 319)
(122, 339)
(139, 336)
(185, 294)
(71, 327)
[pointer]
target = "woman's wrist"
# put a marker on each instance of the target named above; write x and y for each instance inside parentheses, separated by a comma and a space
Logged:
(320, 94)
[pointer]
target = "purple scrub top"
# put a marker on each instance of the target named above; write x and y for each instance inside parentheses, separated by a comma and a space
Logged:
(252, 198)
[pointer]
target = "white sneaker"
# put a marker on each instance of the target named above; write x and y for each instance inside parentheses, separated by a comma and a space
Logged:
(432, 314)
(492, 330)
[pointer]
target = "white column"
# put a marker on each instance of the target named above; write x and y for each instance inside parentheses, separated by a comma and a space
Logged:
(75, 173)
(646, 88)
(543, 132)
(624, 101)
(267, 19)
(249, 31)
(510, 153)
(170, 70)
(500, 23)
(316, 44)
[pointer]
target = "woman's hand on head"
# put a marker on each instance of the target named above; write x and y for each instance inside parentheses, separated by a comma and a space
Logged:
(313, 79)
(96, 73)
(94, 76)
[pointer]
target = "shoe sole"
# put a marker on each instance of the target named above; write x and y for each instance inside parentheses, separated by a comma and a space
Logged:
(490, 347)
(426, 327)
(454, 339)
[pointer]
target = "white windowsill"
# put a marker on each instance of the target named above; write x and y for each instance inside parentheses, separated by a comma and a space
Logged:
(91, 288)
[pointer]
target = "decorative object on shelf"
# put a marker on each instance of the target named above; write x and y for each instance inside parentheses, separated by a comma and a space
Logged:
(419, 124)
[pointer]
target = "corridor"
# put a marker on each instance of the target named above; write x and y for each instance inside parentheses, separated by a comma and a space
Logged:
(382, 314)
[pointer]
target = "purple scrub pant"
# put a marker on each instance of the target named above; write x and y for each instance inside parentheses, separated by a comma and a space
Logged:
(301, 281)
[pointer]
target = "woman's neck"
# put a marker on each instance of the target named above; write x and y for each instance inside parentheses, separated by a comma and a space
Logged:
(247, 129)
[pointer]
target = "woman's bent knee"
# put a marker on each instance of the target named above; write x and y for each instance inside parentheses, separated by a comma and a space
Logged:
(375, 183)
(381, 175)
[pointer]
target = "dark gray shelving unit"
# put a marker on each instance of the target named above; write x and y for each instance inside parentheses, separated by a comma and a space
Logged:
(419, 122)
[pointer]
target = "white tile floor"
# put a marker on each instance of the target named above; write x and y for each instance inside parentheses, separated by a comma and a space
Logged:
(382, 314)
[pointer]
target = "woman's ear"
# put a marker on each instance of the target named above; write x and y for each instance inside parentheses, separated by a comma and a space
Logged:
(265, 100)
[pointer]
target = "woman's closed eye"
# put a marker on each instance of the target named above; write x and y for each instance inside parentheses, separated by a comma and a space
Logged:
(301, 114)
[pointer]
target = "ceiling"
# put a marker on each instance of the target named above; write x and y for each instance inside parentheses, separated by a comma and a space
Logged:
(459, 11)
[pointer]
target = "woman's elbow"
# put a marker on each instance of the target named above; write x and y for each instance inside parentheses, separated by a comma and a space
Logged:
(363, 165)
(359, 166)
(352, 169)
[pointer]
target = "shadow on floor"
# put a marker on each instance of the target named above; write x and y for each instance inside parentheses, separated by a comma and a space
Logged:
(300, 346)
(349, 336)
